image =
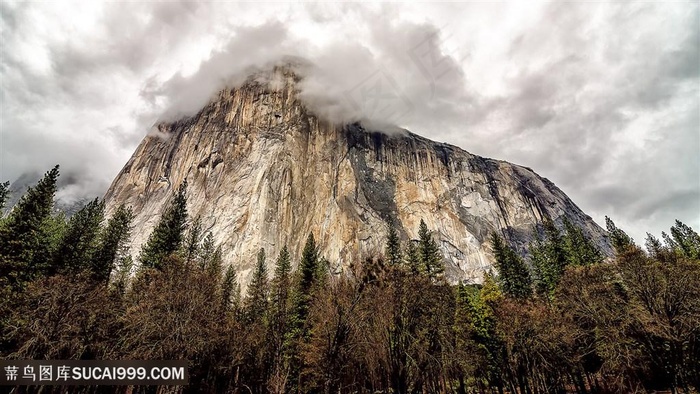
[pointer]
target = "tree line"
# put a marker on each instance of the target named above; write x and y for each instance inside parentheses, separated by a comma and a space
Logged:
(564, 318)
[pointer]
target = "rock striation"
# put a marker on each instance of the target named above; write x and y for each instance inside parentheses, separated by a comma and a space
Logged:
(263, 171)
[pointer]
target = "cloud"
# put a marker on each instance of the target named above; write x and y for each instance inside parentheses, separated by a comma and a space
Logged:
(249, 48)
(613, 107)
(602, 99)
(378, 79)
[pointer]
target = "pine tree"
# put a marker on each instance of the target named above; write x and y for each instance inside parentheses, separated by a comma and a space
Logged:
(655, 248)
(552, 254)
(429, 253)
(206, 251)
(281, 282)
(228, 286)
(124, 266)
(490, 291)
(112, 244)
(513, 274)
(579, 249)
(619, 239)
(215, 265)
(556, 252)
(299, 331)
(461, 308)
(670, 242)
(279, 297)
(52, 230)
(481, 306)
(393, 247)
(546, 272)
(166, 238)
(256, 299)
(687, 239)
(193, 241)
(308, 267)
(323, 270)
(23, 247)
(413, 257)
(236, 300)
(79, 242)
(4, 194)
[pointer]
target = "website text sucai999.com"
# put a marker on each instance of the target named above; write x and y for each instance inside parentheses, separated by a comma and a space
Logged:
(129, 373)
(93, 372)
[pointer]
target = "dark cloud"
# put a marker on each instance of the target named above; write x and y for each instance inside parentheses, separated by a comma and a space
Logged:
(603, 99)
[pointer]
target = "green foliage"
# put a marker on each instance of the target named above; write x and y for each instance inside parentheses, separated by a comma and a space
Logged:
(228, 287)
(23, 247)
(206, 251)
(413, 258)
(513, 274)
(308, 270)
(548, 257)
(323, 271)
(53, 230)
(193, 241)
(112, 244)
(552, 254)
(618, 238)
(429, 253)
(4, 194)
(257, 297)
(279, 306)
(490, 291)
(283, 267)
(393, 247)
(208, 255)
(687, 239)
(299, 330)
(280, 291)
(580, 250)
(166, 237)
(683, 242)
(669, 242)
(215, 266)
(236, 299)
(654, 246)
(124, 267)
(543, 275)
(308, 267)
(79, 242)
(481, 307)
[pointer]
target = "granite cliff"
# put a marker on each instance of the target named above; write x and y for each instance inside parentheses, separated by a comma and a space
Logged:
(263, 171)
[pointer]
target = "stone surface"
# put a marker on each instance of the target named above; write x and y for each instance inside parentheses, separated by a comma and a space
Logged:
(264, 172)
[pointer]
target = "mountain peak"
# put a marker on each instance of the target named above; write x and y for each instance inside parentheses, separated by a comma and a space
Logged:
(263, 171)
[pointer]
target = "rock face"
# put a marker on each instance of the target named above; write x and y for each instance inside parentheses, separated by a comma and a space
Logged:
(262, 171)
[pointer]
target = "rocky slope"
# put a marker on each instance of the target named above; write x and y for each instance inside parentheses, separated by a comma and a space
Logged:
(264, 172)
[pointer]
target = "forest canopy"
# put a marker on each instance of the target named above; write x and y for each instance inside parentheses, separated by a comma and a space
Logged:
(563, 317)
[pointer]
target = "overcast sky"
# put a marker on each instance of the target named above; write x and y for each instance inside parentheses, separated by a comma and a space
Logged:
(602, 99)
